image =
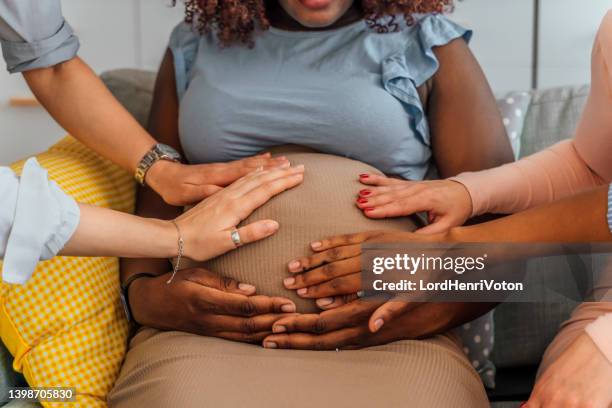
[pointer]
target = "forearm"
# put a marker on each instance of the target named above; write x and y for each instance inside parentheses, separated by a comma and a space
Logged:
(74, 95)
(580, 218)
(104, 232)
(544, 177)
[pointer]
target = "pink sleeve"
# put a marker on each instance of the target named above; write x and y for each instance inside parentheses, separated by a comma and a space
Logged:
(594, 133)
(564, 169)
(548, 175)
(595, 319)
(601, 332)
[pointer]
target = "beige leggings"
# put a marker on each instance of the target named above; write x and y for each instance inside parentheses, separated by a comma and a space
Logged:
(175, 369)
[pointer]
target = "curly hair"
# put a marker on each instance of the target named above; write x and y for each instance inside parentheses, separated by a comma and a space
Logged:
(234, 21)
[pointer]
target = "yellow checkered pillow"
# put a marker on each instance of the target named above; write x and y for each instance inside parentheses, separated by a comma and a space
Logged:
(66, 327)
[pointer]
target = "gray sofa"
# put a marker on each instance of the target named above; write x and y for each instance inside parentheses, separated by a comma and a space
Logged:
(522, 331)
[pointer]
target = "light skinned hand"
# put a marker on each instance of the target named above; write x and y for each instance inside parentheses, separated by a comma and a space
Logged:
(447, 203)
(580, 377)
(207, 227)
(183, 184)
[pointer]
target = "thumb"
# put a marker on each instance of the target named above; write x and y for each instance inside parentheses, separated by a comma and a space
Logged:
(193, 194)
(387, 312)
(436, 227)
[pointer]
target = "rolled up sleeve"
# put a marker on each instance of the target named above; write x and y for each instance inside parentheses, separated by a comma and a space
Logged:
(36, 220)
(34, 34)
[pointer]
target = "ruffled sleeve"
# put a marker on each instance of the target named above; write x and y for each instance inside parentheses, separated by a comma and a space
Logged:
(184, 47)
(404, 72)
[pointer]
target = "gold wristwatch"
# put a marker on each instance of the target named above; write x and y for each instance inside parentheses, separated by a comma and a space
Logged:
(158, 152)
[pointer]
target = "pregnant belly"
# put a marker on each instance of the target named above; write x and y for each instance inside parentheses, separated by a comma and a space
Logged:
(322, 206)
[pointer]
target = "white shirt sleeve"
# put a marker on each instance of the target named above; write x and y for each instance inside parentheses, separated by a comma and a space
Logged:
(36, 220)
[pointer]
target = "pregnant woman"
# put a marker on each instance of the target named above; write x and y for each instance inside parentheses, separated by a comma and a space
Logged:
(379, 82)
(562, 194)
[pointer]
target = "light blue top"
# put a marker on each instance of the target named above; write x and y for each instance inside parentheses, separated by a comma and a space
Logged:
(36, 220)
(33, 34)
(349, 91)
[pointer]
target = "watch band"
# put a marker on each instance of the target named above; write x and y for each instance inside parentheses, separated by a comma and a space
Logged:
(125, 297)
(158, 152)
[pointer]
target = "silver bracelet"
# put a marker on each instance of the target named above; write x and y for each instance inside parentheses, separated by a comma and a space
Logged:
(181, 245)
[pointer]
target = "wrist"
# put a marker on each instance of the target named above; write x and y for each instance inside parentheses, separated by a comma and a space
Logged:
(159, 173)
(136, 294)
(168, 239)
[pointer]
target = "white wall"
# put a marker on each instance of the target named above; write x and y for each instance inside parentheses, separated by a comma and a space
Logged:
(134, 33)
(567, 32)
(503, 51)
(113, 34)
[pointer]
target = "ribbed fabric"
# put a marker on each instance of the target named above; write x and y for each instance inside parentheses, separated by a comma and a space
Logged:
(174, 369)
(322, 206)
(164, 369)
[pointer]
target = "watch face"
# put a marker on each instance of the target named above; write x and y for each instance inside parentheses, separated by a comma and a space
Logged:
(168, 151)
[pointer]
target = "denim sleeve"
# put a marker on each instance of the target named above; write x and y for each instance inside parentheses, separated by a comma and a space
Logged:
(610, 208)
(36, 220)
(34, 34)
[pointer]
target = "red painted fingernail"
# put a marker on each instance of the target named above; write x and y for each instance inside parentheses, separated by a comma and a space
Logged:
(364, 175)
(369, 209)
(365, 192)
(362, 201)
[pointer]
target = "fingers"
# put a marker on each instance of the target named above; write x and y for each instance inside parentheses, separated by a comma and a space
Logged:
(344, 285)
(245, 329)
(244, 337)
(343, 240)
(344, 338)
(398, 208)
(376, 180)
(264, 160)
(213, 280)
(328, 303)
(257, 230)
(194, 193)
(376, 197)
(332, 255)
(222, 242)
(325, 273)
(387, 312)
(216, 301)
(255, 189)
(350, 315)
(264, 188)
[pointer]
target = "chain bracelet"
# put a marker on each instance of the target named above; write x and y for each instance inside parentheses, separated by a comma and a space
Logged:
(181, 245)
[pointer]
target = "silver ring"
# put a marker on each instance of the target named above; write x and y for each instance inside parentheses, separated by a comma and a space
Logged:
(235, 235)
(361, 294)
